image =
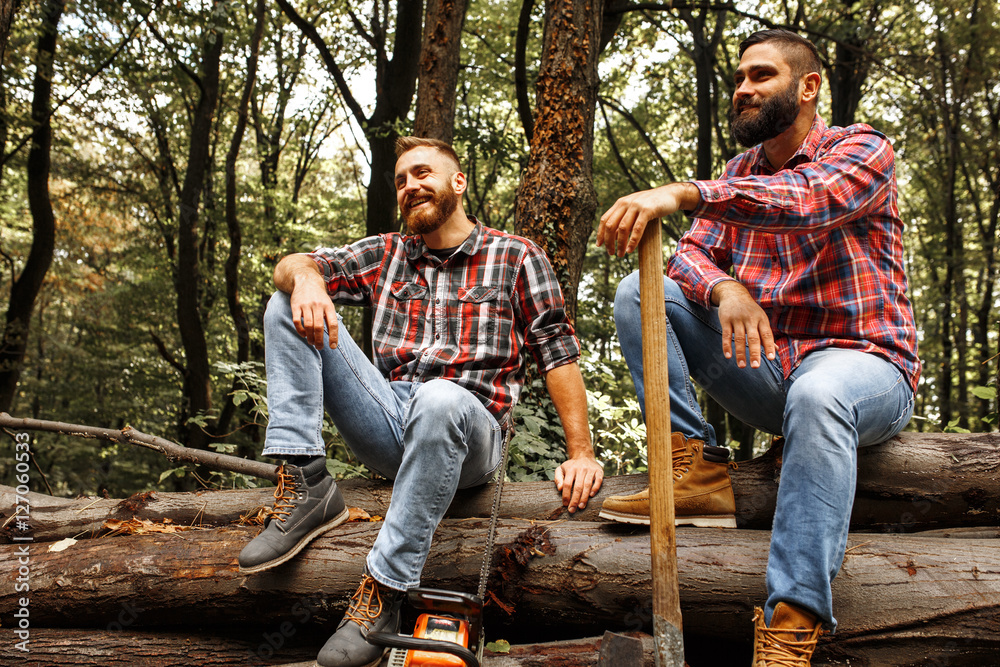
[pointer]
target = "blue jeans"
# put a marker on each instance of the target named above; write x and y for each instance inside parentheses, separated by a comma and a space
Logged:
(431, 438)
(835, 401)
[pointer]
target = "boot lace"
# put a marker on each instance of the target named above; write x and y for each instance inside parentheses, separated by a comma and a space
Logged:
(778, 647)
(366, 604)
(284, 494)
(681, 462)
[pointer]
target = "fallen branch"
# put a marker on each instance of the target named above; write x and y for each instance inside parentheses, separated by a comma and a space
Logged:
(129, 436)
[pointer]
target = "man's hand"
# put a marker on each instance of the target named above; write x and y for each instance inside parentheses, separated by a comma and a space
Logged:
(743, 320)
(579, 479)
(622, 225)
(312, 310)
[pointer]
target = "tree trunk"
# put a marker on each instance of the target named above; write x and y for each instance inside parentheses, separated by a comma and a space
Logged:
(197, 376)
(556, 201)
(914, 482)
(25, 289)
(567, 576)
(7, 10)
(849, 70)
(232, 269)
(439, 63)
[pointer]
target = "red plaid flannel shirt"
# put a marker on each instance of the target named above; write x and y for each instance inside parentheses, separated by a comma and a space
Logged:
(465, 318)
(818, 243)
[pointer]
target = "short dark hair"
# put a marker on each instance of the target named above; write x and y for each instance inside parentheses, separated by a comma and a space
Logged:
(800, 53)
(405, 144)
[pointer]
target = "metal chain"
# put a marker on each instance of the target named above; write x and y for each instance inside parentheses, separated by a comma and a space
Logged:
(484, 572)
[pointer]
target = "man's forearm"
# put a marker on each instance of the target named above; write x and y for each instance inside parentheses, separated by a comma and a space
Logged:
(293, 268)
(565, 385)
(688, 195)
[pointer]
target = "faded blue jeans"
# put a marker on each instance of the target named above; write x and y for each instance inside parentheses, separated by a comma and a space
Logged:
(835, 401)
(431, 438)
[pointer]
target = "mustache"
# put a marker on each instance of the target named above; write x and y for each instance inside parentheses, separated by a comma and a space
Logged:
(752, 103)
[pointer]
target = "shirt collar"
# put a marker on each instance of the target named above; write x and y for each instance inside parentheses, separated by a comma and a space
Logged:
(415, 246)
(806, 151)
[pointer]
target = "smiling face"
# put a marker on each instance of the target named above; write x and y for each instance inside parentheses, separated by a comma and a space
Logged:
(767, 99)
(428, 188)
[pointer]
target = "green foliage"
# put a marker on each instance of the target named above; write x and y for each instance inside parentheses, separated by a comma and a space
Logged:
(989, 394)
(619, 432)
(252, 391)
(537, 446)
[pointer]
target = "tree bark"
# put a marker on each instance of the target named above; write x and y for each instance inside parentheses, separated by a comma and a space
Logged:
(914, 482)
(917, 594)
(437, 80)
(25, 289)
(556, 201)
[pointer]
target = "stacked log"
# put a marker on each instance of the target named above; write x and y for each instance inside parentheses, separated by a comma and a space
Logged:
(914, 482)
(902, 597)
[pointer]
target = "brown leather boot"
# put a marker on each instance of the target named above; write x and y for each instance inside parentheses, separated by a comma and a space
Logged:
(703, 493)
(790, 639)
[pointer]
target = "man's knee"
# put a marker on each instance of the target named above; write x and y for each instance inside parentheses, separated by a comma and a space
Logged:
(814, 395)
(627, 296)
(440, 399)
(279, 309)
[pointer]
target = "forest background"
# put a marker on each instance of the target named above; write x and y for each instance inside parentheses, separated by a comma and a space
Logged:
(158, 158)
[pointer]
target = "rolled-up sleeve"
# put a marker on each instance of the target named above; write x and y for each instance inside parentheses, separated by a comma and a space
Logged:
(548, 334)
(351, 271)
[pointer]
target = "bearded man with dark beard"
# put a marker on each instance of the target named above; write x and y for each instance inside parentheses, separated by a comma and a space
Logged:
(806, 220)
(458, 309)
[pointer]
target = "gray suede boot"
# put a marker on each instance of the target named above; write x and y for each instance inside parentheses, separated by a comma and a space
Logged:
(373, 608)
(307, 503)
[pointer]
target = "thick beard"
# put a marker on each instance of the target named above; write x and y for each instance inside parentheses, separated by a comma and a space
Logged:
(433, 215)
(774, 115)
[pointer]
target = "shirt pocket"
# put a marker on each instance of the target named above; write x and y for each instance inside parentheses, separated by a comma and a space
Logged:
(407, 312)
(479, 308)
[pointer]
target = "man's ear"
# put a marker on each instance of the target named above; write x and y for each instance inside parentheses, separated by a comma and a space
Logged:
(459, 183)
(809, 87)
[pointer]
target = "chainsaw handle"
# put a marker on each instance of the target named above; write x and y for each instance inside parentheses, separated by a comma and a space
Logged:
(417, 644)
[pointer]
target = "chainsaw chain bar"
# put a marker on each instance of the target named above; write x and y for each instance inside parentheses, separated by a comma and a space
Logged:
(484, 572)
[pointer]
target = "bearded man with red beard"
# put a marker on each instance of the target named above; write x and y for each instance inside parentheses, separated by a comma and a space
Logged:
(806, 220)
(457, 309)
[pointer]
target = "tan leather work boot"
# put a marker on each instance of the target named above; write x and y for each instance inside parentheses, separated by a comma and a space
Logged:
(703, 492)
(790, 639)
